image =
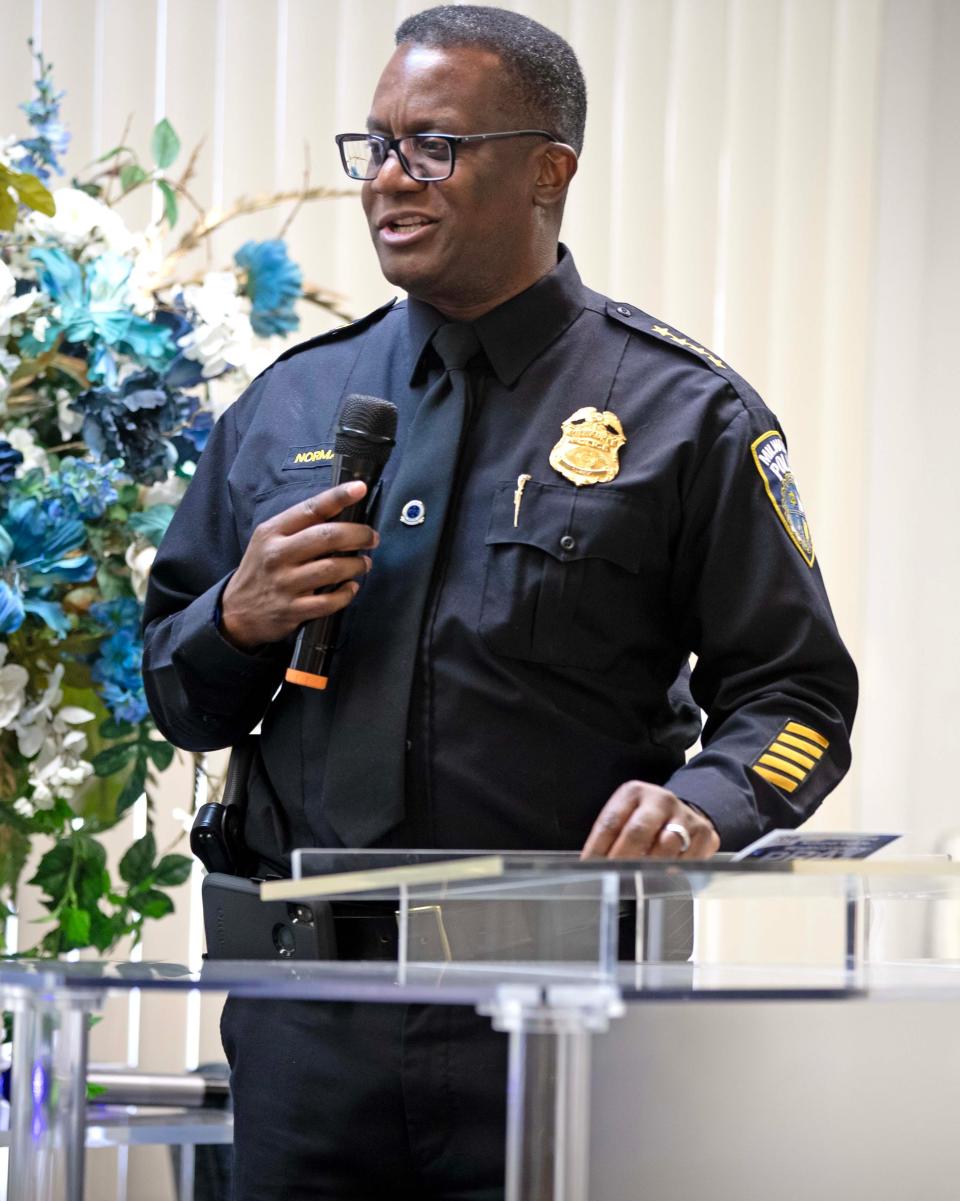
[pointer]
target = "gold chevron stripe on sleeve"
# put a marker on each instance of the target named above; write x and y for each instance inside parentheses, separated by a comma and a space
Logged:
(801, 744)
(785, 752)
(774, 777)
(794, 727)
(791, 756)
(782, 766)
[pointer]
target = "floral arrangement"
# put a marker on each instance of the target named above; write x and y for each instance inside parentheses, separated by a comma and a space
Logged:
(112, 370)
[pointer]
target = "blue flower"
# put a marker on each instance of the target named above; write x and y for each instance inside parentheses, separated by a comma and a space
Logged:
(87, 487)
(125, 705)
(93, 309)
(193, 437)
(136, 423)
(181, 372)
(44, 541)
(11, 608)
(50, 139)
(10, 460)
(117, 667)
(273, 283)
(121, 613)
(38, 545)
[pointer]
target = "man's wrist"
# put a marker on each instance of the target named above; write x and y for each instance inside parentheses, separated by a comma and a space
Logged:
(230, 637)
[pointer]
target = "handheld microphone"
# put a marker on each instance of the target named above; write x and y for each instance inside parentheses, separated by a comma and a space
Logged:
(368, 427)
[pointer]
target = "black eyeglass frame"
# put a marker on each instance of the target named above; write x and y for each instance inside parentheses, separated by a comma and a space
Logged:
(453, 140)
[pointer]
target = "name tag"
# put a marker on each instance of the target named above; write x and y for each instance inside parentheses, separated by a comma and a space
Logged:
(308, 456)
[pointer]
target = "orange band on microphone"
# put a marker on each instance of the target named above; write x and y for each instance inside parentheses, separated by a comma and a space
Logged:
(306, 678)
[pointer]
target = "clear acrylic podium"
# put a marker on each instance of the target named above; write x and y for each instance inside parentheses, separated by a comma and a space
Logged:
(531, 941)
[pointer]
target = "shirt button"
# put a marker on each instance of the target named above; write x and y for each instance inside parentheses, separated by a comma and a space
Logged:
(409, 745)
(624, 311)
(567, 542)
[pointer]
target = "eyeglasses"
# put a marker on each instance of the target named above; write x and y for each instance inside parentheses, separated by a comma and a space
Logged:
(426, 157)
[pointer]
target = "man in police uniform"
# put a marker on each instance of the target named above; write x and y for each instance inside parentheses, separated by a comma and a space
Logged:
(618, 498)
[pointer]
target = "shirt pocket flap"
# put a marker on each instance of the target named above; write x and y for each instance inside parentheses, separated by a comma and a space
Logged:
(570, 523)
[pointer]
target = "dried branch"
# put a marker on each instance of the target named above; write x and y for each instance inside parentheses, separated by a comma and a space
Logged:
(305, 187)
(244, 207)
(190, 169)
(331, 301)
(107, 199)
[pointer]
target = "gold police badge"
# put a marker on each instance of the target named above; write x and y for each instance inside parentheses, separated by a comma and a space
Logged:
(588, 450)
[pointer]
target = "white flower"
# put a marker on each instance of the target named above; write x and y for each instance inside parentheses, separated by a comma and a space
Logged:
(13, 684)
(222, 335)
(12, 305)
(58, 771)
(33, 454)
(35, 721)
(147, 264)
(80, 220)
(46, 734)
(8, 365)
(12, 151)
(223, 392)
(168, 492)
(40, 327)
(139, 558)
(69, 420)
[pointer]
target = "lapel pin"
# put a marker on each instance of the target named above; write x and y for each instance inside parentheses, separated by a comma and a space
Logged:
(414, 512)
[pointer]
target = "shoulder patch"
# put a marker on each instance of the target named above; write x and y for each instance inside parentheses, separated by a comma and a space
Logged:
(341, 332)
(770, 456)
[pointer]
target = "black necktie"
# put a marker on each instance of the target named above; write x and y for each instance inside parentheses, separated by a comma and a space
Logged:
(363, 791)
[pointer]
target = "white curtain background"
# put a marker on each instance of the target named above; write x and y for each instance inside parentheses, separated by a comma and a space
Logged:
(778, 179)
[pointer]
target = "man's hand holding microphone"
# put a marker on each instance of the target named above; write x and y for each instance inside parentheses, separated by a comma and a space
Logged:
(288, 560)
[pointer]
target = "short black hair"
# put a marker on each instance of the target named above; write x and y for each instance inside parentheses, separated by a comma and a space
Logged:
(549, 81)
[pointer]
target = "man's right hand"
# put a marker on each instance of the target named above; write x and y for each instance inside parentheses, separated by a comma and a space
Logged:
(274, 590)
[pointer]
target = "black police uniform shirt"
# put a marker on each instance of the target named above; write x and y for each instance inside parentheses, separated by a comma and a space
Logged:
(553, 650)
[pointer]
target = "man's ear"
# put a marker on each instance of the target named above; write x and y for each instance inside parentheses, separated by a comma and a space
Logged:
(556, 166)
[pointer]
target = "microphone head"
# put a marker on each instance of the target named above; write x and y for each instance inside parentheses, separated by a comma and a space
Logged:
(368, 427)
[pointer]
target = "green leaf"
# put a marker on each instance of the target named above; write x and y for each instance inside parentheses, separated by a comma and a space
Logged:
(111, 584)
(151, 903)
(33, 194)
(161, 753)
(14, 849)
(8, 208)
(95, 1090)
(53, 870)
(90, 885)
(106, 930)
(113, 758)
(133, 789)
(91, 189)
(152, 523)
(170, 208)
(91, 852)
(173, 869)
(75, 924)
(111, 728)
(130, 175)
(116, 150)
(52, 821)
(164, 144)
(137, 863)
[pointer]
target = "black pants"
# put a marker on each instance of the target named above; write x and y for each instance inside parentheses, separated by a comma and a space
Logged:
(365, 1102)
